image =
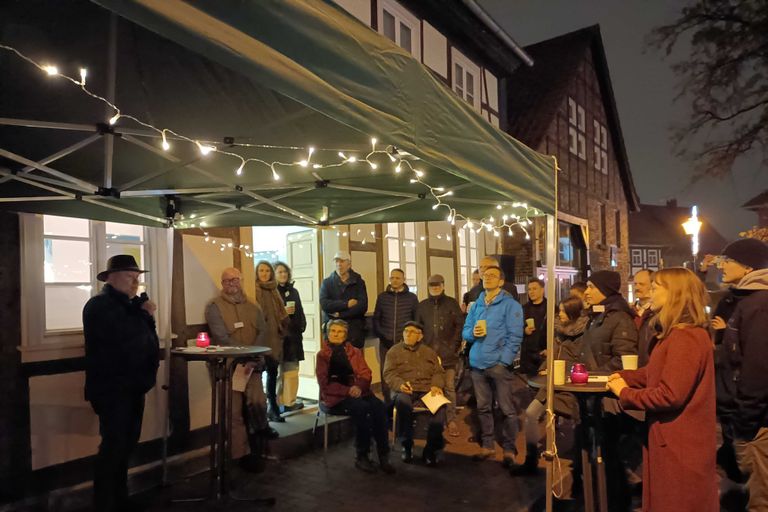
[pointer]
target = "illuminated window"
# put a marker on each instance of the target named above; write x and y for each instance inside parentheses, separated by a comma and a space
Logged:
(577, 129)
(468, 259)
(401, 250)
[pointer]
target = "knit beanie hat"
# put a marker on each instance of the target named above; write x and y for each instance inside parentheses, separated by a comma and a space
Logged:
(750, 252)
(607, 281)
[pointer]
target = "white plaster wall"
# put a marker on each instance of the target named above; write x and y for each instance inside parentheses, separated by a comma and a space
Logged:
(360, 9)
(435, 50)
(493, 90)
(203, 263)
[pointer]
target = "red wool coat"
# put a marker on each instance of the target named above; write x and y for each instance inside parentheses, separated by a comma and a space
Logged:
(677, 391)
(331, 393)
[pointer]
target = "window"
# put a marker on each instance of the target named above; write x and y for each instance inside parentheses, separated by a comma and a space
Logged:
(577, 137)
(601, 147)
(603, 227)
(400, 26)
(566, 252)
(466, 79)
(401, 250)
(653, 258)
(468, 258)
(70, 247)
(637, 258)
(617, 220)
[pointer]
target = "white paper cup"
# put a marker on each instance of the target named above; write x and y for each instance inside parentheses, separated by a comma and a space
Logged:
(559, 372)
(530, 322)
(629, 362)
(290, 304)
(482, 325)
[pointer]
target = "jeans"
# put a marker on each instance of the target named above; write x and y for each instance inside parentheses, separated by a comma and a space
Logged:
(369, 415)
(490, 383)
(404, 404)
(120, 427)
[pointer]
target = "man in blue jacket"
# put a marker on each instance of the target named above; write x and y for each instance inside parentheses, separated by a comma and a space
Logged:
(494, 327)
(343, 295)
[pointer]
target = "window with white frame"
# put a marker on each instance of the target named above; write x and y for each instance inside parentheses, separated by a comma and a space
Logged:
(468, 258)
(466, 79)
(601, 147)
(72, 252)
(637, 258)
(400, 26)
(577, 128)
(401, 250)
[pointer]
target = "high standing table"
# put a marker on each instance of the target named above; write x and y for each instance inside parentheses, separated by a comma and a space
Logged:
(222, 362)
(589, 396)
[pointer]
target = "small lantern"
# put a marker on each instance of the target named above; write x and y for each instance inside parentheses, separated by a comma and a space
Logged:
(203, 340)
(579, 374)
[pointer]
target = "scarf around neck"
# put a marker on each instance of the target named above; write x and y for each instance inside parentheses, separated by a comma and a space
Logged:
(270, 301)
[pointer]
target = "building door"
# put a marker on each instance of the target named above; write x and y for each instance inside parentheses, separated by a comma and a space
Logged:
(304, 259)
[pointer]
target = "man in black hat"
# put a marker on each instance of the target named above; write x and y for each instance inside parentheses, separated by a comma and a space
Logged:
(121, 361)
(742, 380)
(413, 370)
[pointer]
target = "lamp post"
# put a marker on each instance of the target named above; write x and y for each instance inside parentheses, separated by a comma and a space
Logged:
(692, 227)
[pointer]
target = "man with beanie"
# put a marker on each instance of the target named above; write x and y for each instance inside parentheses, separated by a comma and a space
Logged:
(742, 400)
(610, 334)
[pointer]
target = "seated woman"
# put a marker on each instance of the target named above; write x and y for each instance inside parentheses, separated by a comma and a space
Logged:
(677, 391)
(345, 389)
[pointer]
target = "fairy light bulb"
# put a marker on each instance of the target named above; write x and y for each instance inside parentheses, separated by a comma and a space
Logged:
(373, 143)
(373, 166)
(342, 155)
(304, 163)
(392, 157)
(398, 168)
(352, 158)
(275, 176)
(239, 170)
(165, 144)
(510, 233)
(51, 70)
(114, 118)
(434, 206)
(204, 149)
(316, 166)
(83, 75)
(419, 173)
(413, 180)
(498, 207)
(311, 150)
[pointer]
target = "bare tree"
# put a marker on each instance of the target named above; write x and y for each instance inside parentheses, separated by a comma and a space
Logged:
(725, 78)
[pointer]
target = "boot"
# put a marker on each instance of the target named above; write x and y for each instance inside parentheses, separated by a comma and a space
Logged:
(531, 464)
(363, 463)
(273, 415)
(407, 454)
(429, 457)
(385, 465)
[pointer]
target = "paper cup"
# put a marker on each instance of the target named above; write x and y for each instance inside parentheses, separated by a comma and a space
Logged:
(530, 322)
(629, 362)
(290, 304)
(559, 372)
(483, 326)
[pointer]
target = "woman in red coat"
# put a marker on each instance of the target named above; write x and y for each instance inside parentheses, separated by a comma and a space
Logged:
(677, 391)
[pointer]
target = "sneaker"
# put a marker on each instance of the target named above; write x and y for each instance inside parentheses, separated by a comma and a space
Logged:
(295, 407)
(484, 454)
(429, 457)
(453, 429)
(508, 459)
(365, 464)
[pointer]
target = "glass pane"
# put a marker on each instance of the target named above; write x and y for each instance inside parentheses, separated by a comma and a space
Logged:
(410, 230)
(458, 76)
(124, 232)
(410, 253)
(462, 238)
(137, 251)
(463, 257)
(65, 226)
(470, 99)
(473, 240)
(470, 88)
(64, 306)
(410, 270)
(393, 265)
(389, 26)
(405, 38)
(473, 258)
(67, 261)
(393, 230)
(393, 246)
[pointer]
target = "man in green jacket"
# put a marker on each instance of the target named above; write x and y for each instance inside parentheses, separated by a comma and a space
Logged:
(413, 370)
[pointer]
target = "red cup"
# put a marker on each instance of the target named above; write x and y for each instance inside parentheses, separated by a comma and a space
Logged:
(203, 340)
(579, 374)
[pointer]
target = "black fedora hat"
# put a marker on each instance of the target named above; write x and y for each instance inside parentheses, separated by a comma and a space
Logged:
(118, 263)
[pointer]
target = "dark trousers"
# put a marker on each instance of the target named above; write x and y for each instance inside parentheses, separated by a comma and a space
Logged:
(384, 346)
(404, 404)
(272, 368)
(497, 382)
(369, 415)
(120, 427)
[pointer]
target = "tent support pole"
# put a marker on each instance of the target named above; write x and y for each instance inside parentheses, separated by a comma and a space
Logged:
(109, 139)
(79, 184)
(551, 300)
(59, 154)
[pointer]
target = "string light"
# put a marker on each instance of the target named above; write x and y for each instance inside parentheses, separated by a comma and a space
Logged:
(206, 147)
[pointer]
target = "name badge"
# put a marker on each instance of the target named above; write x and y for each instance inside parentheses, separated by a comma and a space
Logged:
(598, 308)
(239, 325)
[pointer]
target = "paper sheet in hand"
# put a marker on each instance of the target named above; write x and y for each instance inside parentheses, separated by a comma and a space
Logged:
(240, 377)
(433, 403)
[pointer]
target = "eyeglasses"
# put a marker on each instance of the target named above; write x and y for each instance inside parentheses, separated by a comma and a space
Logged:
(412, 331)
(491, 276)
(231, 281)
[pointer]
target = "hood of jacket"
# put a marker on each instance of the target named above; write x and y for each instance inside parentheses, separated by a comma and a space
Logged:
(502, 296)
(755, 280)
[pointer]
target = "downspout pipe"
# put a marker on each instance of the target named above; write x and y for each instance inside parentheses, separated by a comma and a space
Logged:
(478, 11)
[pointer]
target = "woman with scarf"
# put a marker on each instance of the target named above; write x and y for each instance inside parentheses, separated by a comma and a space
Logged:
(677, 392)
(277, 322)
(345, 389)
(293, 348)
(569, 327)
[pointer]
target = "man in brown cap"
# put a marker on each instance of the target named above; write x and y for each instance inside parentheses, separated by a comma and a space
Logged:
(442, 319)
(121, 361)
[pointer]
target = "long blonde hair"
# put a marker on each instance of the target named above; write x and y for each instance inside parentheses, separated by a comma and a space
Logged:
(686, 301)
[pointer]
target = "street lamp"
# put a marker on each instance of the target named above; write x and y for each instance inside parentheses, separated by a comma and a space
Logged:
(692, 227)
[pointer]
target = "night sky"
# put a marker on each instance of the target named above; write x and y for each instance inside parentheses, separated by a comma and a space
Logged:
(644, 85)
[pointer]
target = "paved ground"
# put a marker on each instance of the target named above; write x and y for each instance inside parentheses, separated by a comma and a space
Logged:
(312, 483)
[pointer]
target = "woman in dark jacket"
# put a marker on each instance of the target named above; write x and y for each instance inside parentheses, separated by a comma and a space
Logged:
(293, 348)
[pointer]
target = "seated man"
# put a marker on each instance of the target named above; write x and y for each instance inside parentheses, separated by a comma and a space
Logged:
(412, 370)
(345, 389)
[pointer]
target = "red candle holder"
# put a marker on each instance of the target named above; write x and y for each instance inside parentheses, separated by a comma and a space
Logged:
(203, 340)
(579, 374)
